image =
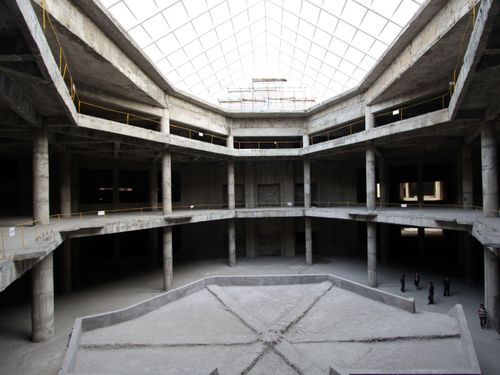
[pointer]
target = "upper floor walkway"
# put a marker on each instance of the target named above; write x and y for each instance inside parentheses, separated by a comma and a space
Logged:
(22, 245)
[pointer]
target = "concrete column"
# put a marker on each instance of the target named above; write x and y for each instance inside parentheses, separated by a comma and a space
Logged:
(42, 275)
(66, 212)
(166, 168)
(421, 244)
(371, 186)
(41, 176)
(369, 118)
(420, 183)
(165, 121)
(371, 199)
(166, 175)
(305, 140)
(249, 185)
(153, 187)
(491, 285)
(371, 246)
(467, 189)
(230, 141)
(309, 255)
(231, 200)
(42, 310)
(489, 169)
(166, 181)
(251, 248)
(168, 279)
(307, 176)
(231, 204)
(490, 209)
(307, 184)
(232, 243)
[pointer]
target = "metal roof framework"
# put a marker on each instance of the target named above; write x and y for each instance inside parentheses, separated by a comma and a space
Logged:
(205, 47)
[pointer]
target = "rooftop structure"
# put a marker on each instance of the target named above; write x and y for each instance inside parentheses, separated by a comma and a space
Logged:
(206, 48)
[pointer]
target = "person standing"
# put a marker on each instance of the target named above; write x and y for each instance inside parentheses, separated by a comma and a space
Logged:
(416, 281)
(402, 281)
(431, 294)
(481, 312)
(446, 285)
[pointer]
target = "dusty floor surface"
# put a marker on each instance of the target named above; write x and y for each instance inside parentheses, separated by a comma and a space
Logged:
(273, 329)
(20, 356)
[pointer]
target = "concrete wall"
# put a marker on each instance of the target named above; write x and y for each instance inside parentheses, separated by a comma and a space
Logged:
(337, 237)
(336, 180)
(184, 112)
(339, 113)
(283, 173)
(270, 127)
(202, 183)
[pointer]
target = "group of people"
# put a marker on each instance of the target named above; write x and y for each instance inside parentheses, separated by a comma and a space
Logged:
(481, 312)
(416, 282)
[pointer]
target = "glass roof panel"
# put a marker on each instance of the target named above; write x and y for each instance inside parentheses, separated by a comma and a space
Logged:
(311, 49)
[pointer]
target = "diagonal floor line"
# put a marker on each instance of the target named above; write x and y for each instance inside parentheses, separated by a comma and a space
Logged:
(297, 361)
(293, 358)
(234, 307)
(380, 339)
(131, 345)
(293, 316)
(244, 363)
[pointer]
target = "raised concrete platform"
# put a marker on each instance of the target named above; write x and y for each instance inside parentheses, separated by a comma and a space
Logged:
(295, 324)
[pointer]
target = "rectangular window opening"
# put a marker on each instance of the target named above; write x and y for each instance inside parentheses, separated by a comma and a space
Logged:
(408, 191)
(428, 232)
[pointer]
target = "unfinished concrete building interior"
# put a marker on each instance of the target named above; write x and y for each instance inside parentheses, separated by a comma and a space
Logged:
(146, 145)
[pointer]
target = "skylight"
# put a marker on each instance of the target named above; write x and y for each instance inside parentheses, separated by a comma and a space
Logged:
(207, 47)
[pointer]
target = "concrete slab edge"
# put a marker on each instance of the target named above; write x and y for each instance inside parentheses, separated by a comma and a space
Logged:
(72, 349)
(458, 313)
(118, 316)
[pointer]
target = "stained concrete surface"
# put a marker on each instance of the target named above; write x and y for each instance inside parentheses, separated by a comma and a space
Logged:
(215, 326)
(20, 356)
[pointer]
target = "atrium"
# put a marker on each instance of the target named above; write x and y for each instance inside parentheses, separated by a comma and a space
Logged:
(146, 145)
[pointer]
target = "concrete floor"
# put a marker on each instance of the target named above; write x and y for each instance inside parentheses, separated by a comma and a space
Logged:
(20, 356)
(274, 329)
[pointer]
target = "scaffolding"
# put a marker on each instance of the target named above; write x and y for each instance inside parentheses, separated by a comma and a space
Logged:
(267, 95)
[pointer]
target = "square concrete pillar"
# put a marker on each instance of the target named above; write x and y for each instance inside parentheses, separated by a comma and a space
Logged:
(308, 233)
(168, 278)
